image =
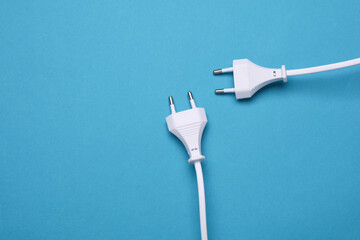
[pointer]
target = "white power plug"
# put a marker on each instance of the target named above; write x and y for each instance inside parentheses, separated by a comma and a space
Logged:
(249, 77)
(188, 126)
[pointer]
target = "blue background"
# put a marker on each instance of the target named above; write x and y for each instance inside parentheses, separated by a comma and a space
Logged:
(84, 148)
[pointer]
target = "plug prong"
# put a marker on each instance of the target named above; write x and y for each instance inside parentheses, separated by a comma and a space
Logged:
(217, 71)
(224, 90)
(219, 91)
(224, 70)
(172, 106)
(192, 101)
(190, 96)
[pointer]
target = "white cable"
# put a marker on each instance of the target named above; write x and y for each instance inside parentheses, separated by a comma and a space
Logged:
(323, 67)
(202, 208)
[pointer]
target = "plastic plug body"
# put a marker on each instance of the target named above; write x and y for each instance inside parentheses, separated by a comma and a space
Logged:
(188, 127)
(249, 78)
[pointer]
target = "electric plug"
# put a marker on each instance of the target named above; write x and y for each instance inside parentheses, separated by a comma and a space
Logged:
(188, 127)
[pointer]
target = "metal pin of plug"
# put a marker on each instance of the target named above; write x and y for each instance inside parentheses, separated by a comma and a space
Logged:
(171, 100)
(192, 101)
(224, 90)
(219, 91)
(190, 96)
(217, 71)
(172, 106)
(223, 70)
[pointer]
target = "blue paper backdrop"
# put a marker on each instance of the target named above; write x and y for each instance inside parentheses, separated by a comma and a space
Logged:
(85, 152)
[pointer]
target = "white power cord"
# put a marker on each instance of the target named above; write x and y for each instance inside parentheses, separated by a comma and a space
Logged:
(249, 77)
(323, 68)
(188, 126)
(202, 208)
